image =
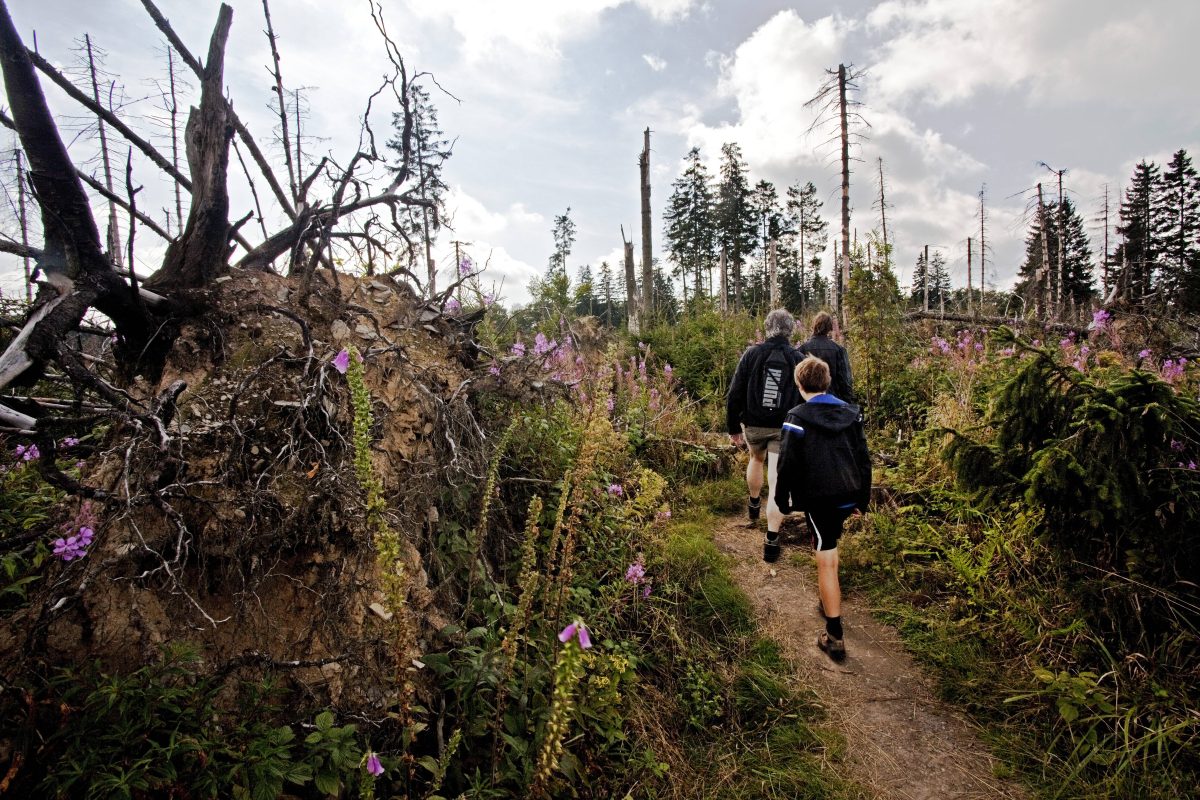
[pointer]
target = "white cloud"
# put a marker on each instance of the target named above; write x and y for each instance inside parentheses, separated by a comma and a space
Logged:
(946, 51)
(787, 52)
(489, 236)
(655, 63)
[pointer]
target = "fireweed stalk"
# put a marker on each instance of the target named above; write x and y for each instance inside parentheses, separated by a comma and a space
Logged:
(567, 672)
(595, 434)
(527, 583)
(387, 541)
(479, 533)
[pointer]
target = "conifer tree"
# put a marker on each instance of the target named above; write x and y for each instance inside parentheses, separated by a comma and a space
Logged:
(736, 230)
(1139, 249)
(1178, 230)
(430, 151)
(811, 234)
(769, 223)
(690, 235)
(1077, 273)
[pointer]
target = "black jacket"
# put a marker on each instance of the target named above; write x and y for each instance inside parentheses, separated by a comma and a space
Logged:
(835, 356)
(823, 458)
(743, 403)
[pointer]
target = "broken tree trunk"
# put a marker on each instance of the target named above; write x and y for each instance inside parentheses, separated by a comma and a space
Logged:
(200, 252)
(631, 293)
(774, 275)
(647, 250)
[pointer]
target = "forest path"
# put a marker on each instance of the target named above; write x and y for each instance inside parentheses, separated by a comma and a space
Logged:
(902, 742)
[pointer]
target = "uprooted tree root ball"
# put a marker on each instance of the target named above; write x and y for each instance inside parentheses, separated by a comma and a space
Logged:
(237, 523)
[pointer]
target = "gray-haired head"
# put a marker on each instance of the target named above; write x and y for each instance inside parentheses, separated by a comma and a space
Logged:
(779, 323)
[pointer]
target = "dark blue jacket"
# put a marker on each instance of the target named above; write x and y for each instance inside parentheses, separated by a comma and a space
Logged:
(823, 458)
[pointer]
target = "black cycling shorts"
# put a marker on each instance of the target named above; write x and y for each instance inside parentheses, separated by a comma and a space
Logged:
(826, 526)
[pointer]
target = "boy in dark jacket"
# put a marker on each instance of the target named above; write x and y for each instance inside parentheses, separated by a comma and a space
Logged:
(824, 471)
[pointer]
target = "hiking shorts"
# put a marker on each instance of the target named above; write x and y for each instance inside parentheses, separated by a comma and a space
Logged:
(763, 440)
(826, 526)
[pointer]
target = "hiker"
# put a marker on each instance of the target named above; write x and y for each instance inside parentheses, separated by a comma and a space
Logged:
(824, 471)
(832, 353)
(760, 394)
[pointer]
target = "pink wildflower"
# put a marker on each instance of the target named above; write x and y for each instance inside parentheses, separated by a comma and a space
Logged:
(341, 362)
(373, 765)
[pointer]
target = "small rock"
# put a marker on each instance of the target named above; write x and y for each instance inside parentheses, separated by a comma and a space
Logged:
(418, 663)
(774, 573)
(381, 612)
(339, 331)
(223, 279)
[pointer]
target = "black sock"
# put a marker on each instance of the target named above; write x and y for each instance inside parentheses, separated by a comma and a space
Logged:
(833, 626)
(754, 502)
(772, 537)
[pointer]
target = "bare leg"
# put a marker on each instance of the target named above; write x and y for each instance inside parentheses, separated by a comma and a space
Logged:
(774, 515)
(754, 475)
(827, 582)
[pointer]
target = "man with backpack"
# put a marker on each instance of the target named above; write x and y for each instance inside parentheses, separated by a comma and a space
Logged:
(760, 395)
(824, 471)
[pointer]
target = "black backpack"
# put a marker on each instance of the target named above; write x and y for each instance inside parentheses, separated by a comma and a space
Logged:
(771, 389)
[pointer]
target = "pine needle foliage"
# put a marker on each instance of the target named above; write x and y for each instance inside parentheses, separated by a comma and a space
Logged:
(1105, 455)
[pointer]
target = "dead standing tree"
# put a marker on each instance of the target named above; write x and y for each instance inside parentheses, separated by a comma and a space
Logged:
(647, 249)
(836, 106)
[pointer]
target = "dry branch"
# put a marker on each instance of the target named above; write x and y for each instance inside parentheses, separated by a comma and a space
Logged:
(255, 152)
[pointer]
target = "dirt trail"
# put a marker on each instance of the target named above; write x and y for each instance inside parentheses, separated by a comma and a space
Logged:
(902, 743)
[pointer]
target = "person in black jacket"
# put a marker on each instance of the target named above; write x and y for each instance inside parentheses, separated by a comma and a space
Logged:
(833, 354)
(759, 396)
(824, 471)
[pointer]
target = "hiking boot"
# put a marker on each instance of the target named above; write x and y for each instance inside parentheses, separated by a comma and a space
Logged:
(771, 550)
(753, 508)
(834, 648)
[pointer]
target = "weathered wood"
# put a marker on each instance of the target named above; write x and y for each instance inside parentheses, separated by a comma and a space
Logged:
(243, 133)
(647, 250)
(199, 254)
(633, 318)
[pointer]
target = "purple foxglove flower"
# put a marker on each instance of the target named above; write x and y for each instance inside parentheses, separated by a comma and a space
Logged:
(373, 765)
(489, 299)
(70, 441)
(453, 306)
(1177, 445)
(518, 349)
(585, 641)
(646, 590)
(667, 371)
(610, 403)
(465, 266)
(568, 633)
(636, 573)
(1145, 354)
(615, 489)
(1191, 465)
(85, 535)
(494, 369)
(341, 362)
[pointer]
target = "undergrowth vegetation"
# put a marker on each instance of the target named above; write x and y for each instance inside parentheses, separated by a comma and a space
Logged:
(1037, 549)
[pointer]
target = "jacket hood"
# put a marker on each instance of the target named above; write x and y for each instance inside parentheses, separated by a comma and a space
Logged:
(833, 417)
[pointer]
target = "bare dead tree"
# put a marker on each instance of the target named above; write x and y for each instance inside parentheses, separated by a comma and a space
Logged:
(883, 207)
(173, 110)
(1045, 271)
(647, 249)
(982, 246)
(24, 223)
(277, 74)
(114, 234)
(1060, 272)
(836, 105)
(79, 276)
(632, 312)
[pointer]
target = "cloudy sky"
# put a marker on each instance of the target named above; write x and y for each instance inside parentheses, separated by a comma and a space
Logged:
(548, 99)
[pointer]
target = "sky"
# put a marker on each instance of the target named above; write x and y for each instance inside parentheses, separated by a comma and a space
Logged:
(547, 101)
